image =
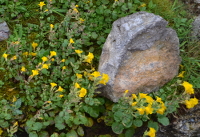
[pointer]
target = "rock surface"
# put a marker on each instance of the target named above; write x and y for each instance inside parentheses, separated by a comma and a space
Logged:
(4, 31)
(139, 55)
(196, 28)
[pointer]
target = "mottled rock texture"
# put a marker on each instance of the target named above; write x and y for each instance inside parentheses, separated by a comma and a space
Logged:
(4, 31)
(139, 55)
(196, 28)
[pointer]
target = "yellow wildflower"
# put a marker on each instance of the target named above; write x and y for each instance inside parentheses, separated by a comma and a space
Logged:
(23, 69)
(126, 91)
(64, 67)
(96, 74)
(52, 59)
(52, 53)
(5, 55)
(15, 124)
(104, 79)
(81, 20)
(89, 57)
(148, 109)
(142, 95)
(14, 58)
(83, 92)
(77, 85)
(162, 109)
(149, 99)
(44, 59)
(191, 103)
(79, 75)
(35, 72)
(45, 66)
(152, 132)
(141, 111)
(61, 96)
(46, 10)
(188, 87)
(60, 89)
(53, 84)
(76, 10)
(34, 45)
(51, 26)
(76, 6)
(180, 75)
(63, 60)
(78, 51)
(134, 103)
(48, 101)
(71, 40)
(25, 53)
(158, 100)
(33, 54)
(41, 4)
(134, 96)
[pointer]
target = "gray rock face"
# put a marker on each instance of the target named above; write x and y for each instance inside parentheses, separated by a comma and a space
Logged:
(196, 28)
(4, 31)
(139, 55)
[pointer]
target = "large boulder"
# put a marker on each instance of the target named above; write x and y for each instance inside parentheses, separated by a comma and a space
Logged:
(140, 54)
(4, 31)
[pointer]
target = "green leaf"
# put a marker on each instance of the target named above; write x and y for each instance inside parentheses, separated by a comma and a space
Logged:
(105, 1)
(43, 134)
(18, 103)
(60, 126)
(37, 126)
(93, 111)
(80, 131)
(55, 135)
(163, 120)
(83, 119)
(127, 120)
(118, 116)
(151, 5)
(71, 133)
(129, 132)
(94, 35)
(117, 127)
(33, 134)
(137, 122)
(76, 120)
(153, 125)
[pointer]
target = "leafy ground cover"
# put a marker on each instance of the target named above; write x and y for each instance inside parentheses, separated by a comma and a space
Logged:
(49, 69)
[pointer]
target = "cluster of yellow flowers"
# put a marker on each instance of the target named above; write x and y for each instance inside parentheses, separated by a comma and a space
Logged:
(42, 65)
(147, 109)
(190, 90)
(60, 89)
(191, 103)
(5, 56)
(102, 79)
(82, 91)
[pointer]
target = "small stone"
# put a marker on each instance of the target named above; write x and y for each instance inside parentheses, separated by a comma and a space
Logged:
(4, 31)
(139, 55)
